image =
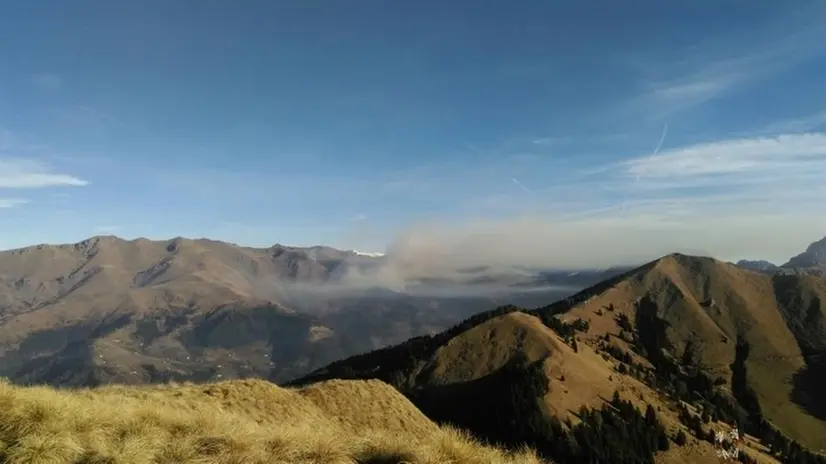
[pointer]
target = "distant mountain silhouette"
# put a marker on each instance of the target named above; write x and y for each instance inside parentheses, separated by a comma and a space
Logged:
(814, 256)
(758, 265)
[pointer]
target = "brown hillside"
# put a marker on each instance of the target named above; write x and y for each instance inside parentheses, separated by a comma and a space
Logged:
(465, 370)
(693, 311)
(110, 310)
(229, 422)
(519, 337)
(711, 304)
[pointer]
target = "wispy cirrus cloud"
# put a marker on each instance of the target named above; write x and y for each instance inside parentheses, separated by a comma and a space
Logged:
(549, 141)
(812, 122)
(719, 66)
(779, 155)
(47, 81)
(12, 202)
(777, 174)
(21, 173)
(745, 197)
(11, 142)
(674, 96)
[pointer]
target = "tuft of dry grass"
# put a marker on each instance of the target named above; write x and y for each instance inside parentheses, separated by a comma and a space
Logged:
(233, 422)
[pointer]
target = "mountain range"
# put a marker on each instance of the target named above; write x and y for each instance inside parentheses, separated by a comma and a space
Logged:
(109, 310)
(813, 260)
(710, 344)
(621, 365)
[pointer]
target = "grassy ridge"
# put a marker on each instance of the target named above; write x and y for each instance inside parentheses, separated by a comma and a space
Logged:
(353, 422)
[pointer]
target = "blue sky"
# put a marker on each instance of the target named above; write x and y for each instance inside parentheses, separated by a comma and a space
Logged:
(553, 129)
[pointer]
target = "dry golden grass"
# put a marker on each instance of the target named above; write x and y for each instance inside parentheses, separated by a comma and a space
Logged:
(243, 422)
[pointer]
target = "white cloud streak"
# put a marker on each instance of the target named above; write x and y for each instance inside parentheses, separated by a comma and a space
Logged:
(12, 202)
(28, 174)
(673, 96)
(779, 155)
(809, 123)
(719, 66)
(520, 185)
(759, 197)
(662, 139)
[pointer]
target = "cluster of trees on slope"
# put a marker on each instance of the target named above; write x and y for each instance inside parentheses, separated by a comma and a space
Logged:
(505, 410)
(565, 330)
(615, 433)
(756, 424)
(397, 364)
(689, 383)
(685, 381)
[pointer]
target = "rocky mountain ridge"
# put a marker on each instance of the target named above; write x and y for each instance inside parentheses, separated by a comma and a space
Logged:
(134, 311)
(814, 256)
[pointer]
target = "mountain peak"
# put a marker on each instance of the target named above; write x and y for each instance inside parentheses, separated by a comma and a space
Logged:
(818, 246)
(814, 256)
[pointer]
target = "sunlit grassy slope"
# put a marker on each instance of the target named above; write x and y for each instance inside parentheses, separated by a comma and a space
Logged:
(249, 421)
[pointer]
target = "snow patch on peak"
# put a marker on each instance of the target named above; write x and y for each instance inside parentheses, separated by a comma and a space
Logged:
(367, 253)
